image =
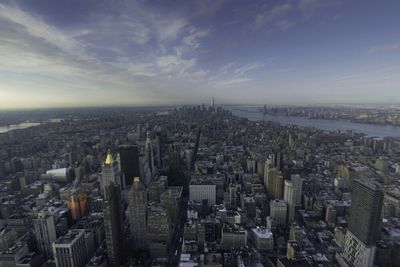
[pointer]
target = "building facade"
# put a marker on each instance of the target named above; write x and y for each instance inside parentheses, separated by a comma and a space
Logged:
(113, 224)
(137, 206)
(69, 250)
(202, 192)
(364, 225)
(45, 232)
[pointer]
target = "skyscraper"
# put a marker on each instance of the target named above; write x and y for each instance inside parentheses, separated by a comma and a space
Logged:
(290, 197)
(113, 220)
(69, 250)
(298, 187)
(274, 184)
(158, 157)
(129, 155)
(109, 172)
(267, 167)
(45, 232)
(278, 211)
(76, 203)
(364, 225)
(137, 201)
(159, 230)
(149, 153)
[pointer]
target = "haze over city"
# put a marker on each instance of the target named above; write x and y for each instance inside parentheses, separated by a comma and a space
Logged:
(111, 53)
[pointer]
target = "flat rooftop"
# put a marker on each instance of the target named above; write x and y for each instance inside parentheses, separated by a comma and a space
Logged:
(262, 233)
(69, 237)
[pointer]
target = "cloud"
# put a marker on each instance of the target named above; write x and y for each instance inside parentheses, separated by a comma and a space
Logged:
(192, 40)
(173, 64)
(209, 6)
(246, 68)
(285, 24)
(271, 14)
(103, 52)
(384, 48)
(39, 29)
(232, 76)
(170, 30)
(285, 15)
(374, 73)
(230, 82)
(226, 68)
(308, 7)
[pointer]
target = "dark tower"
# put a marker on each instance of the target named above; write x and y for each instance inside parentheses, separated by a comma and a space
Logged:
(364, 225)
(137, 199)
(129, 156)
(113, 220)
(365, 212)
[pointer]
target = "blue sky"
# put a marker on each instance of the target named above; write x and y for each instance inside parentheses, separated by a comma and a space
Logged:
(91, 53)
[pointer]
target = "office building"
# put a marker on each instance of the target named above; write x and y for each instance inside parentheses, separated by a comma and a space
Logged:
(45, 233)
(171, 199)
(297, 183)
(278, 211)
(290, 197)
(137, 206)
(130, 166)
(110, 172)
(12, 255)
(159, 231)
(267, 167)
(149, 154)
(202, 192)
(113, 224)
(262, 239)
(77, 203)
(233, 237)
(274, 184)
(364, 225)
(69, 250)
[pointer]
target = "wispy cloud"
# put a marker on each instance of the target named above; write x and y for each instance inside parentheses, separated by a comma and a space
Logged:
(285, 24)
(248, 67)
(230, 82)
(170, 30)
(29, 45)
(384, 48)
(192, 40)
(271, 14)
(286, 14)
(174, 64)
(308, 7)
(366, 76)
(133, 51)
(205, 7)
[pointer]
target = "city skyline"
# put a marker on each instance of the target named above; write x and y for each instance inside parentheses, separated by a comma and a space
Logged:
(120, 53)
(199, 186)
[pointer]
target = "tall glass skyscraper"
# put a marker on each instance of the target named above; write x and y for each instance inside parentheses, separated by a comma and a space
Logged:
(364, 225)
(365, 212)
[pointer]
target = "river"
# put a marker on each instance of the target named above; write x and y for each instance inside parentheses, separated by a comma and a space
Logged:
(372, 130)
(23, 125)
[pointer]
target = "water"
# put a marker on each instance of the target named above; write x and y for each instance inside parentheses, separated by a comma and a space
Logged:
(372, 130)
(23, 125)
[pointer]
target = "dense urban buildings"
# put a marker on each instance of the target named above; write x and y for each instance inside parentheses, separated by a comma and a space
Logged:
(196, 186)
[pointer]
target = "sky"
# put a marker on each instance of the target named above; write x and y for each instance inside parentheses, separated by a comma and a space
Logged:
(160, 52)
